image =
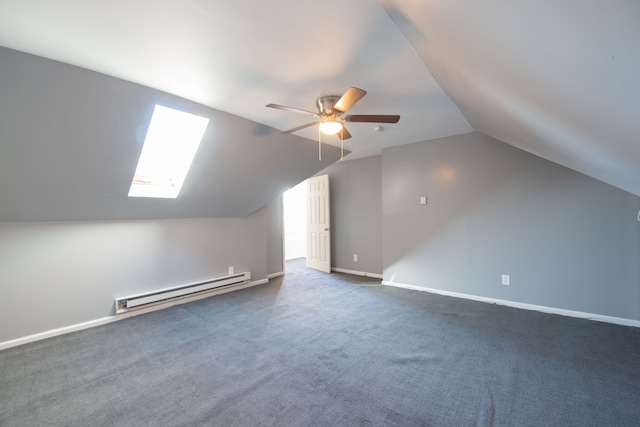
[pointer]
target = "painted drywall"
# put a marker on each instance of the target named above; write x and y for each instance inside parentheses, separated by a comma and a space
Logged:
(275, 231)
(356, 214)
(55, 275)
(566, 240)
(548, 77)
(70, 140)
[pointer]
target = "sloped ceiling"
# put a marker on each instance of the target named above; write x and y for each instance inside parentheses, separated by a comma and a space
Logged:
(71, 139)
(553, 78)
(237, 56)
(556, 78)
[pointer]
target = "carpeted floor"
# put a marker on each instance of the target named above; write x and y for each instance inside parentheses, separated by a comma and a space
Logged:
(313, 349)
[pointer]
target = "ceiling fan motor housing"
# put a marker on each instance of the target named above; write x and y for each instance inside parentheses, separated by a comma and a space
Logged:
(325, 104)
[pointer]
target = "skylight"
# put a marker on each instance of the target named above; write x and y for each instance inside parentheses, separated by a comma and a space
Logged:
(171, 143)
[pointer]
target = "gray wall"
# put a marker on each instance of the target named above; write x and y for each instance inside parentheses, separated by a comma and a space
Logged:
(568, 241)
(55, 275)
(275, 233)
(356, 214)
(70, 140)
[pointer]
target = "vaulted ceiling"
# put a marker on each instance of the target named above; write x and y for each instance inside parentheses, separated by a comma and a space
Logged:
(557, 79)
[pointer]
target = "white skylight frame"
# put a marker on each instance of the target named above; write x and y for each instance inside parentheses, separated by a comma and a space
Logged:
(172, 140)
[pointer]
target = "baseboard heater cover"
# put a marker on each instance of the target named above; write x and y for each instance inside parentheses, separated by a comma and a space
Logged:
(130, 302)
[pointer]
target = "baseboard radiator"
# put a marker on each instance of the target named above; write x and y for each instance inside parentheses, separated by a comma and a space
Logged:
(146, 299)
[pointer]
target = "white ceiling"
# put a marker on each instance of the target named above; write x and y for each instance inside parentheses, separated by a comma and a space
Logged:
(555, 78)
(237, 56)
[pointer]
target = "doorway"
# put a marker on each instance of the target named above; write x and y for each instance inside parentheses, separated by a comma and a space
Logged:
(294, 203)
(306, 218)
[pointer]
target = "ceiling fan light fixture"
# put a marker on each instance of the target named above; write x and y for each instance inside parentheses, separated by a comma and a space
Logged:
(330, 116)
(330, 127)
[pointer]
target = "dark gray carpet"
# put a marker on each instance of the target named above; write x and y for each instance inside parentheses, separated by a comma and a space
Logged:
(328, 350)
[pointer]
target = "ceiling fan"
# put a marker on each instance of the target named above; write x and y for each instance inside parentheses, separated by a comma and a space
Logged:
(330, 116)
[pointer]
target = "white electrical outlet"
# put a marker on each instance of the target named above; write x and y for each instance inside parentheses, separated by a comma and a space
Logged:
(423, 200)
(506, 279)
(355, 257)
(231, 269)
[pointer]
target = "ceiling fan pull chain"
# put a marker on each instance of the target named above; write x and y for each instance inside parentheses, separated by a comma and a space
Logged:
(319, 144)
(342, 143)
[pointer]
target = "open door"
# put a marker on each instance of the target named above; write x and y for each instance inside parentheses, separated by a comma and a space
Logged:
(318, 224)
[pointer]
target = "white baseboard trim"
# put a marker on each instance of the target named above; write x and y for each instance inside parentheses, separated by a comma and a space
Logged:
(275, 275)
(541, 308)
(55, 332)
(357, 273)
(105, 320)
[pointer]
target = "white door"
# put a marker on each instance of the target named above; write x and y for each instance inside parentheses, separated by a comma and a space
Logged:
(318, 227)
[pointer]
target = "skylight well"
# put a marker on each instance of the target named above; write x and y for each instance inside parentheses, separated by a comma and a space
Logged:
(171, 143)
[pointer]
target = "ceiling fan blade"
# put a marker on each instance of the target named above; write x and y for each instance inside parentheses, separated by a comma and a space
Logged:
(373, 118)
(345, 133)
(350, 97)
(297, 128)
(295, 110)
